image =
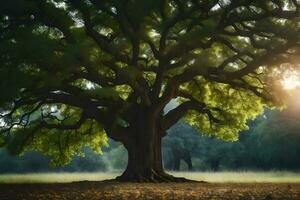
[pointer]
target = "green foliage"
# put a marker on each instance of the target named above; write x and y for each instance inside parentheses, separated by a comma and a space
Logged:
(2, 141)
(63, 145)
(237, 107)
(19, 139)
(129, 73)
(13, 85)
(60, 145)
(140, 9)
(105, 93)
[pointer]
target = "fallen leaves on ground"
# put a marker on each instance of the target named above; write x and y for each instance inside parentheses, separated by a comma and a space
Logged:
(111, 190)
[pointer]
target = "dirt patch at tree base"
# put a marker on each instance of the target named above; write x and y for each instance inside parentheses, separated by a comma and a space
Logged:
(115, 190)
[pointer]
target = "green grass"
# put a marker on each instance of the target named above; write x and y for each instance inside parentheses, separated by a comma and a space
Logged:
(214, 177)
(243, 177)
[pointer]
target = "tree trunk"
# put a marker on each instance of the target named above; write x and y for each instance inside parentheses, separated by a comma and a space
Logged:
(144, 156)
(144, 161)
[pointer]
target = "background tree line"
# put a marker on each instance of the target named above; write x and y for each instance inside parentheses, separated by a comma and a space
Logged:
(272, 142)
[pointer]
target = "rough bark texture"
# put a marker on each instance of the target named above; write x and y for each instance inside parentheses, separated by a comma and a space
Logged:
(144, 154)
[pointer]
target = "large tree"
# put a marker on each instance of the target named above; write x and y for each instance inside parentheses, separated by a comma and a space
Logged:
(75, 71)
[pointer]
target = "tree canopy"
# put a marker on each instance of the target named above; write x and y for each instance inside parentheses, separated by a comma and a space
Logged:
(75, 71)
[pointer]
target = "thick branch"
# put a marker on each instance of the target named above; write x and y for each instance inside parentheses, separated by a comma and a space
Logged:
(177, 113)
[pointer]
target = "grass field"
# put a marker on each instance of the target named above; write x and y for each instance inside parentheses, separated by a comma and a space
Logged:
(213, 177)
(89, 186)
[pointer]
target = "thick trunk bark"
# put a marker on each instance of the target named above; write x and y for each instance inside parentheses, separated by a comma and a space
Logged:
(144, 161)
(144, 156)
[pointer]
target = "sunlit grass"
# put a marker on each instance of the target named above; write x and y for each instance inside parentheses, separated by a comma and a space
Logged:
(242, 177)
(214, 177)
(55, 177)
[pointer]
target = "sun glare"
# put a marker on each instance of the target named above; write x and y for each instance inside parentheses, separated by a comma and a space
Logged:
(291, 81)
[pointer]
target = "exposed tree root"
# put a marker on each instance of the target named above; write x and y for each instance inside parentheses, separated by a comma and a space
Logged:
(153, 177)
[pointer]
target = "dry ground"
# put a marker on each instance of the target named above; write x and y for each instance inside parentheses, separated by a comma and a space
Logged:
(114, 190)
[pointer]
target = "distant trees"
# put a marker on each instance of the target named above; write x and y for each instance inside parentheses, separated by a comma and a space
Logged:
(186, 142)
(178, 146)
(273, 142)
(277, 142)
(35, 162)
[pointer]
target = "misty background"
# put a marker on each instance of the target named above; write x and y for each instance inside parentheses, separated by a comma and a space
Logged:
(271, 143)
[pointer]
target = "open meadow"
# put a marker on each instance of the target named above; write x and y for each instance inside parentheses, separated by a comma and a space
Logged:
(212, 177)
(220, 185)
